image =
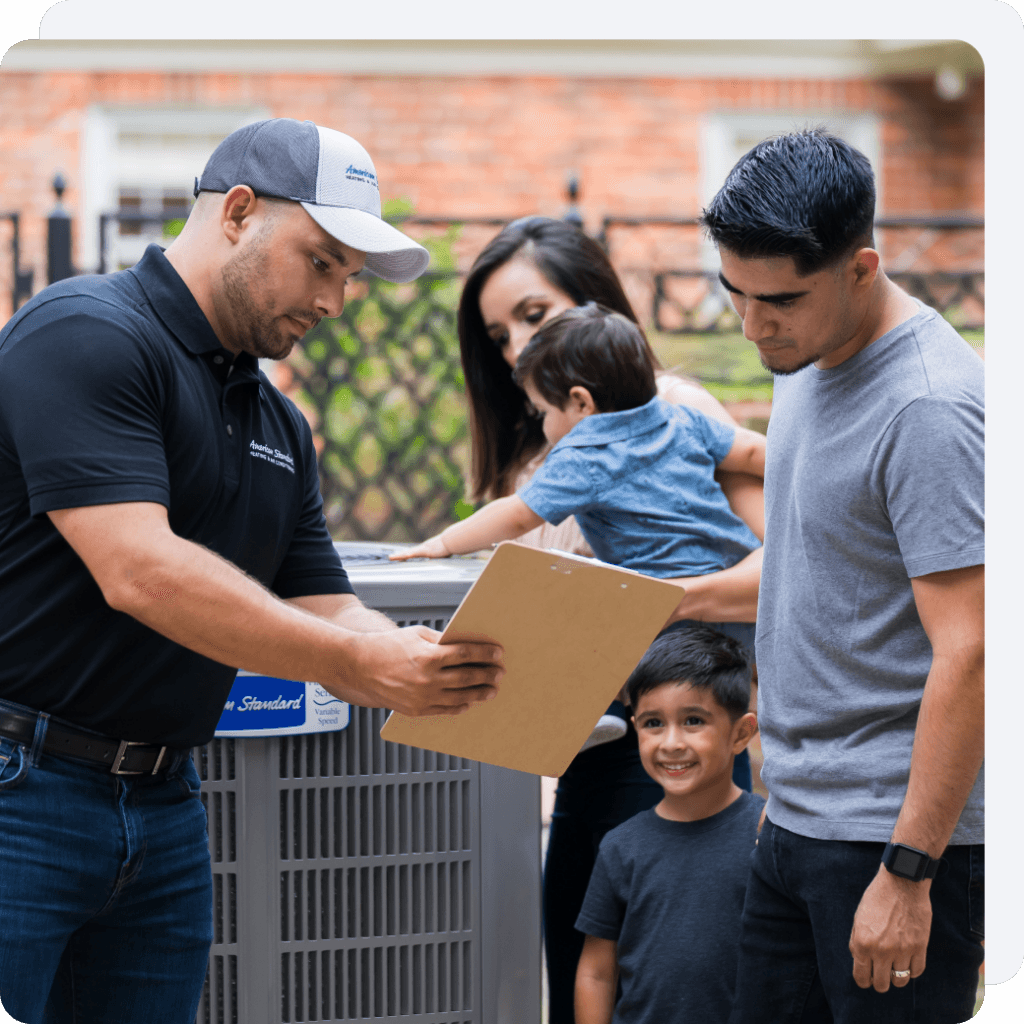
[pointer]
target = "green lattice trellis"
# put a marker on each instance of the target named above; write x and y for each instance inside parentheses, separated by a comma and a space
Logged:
(385, 385)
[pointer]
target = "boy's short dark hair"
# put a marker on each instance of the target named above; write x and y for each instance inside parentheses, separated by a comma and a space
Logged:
(808, 195)
(592, 347)
(700, 656)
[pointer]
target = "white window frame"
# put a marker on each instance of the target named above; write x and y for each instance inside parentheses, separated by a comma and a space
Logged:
(102, 164)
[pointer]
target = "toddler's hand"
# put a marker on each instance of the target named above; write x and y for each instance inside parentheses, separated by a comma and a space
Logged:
(433, 548)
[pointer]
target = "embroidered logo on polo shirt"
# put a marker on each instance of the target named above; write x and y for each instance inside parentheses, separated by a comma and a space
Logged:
(268, 454)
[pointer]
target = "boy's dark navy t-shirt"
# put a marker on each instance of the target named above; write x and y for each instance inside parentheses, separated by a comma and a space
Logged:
(670, 893)
(116, 389)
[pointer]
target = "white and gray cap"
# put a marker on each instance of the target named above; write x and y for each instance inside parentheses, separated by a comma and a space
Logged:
(330, 174)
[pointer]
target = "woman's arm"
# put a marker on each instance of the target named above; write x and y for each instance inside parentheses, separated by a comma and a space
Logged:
(500, 520)
(745, 494)
(596, 979)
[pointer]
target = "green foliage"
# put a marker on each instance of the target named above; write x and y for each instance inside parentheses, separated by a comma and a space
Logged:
(393, 209)
(463, 509)
(726, 364)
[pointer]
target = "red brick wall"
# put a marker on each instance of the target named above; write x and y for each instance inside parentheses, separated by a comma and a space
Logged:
(501, 145)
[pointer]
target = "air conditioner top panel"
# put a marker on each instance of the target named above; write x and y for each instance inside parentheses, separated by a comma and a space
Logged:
(428, 584)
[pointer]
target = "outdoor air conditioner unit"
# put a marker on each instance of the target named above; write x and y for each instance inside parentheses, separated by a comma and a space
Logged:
(361, 880)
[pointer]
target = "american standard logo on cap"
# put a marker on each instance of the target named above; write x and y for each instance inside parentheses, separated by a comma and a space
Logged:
(354, 173)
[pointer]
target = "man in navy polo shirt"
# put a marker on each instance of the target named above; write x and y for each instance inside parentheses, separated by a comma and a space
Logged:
(161, 526)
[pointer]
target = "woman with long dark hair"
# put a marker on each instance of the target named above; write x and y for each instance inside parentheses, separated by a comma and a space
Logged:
(533, 270)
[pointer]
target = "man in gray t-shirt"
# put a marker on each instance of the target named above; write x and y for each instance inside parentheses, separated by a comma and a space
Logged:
(870, 632)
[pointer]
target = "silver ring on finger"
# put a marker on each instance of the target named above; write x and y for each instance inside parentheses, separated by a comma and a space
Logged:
(900, 974)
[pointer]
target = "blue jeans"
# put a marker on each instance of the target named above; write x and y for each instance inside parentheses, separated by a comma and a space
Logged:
(795, 966)
(105, 891)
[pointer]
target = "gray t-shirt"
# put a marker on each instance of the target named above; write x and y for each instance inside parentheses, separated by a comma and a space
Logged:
(875, 475)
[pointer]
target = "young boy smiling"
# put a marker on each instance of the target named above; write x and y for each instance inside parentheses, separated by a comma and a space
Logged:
(662, 911)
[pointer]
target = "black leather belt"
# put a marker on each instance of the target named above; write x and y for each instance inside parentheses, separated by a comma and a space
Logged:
(125, 757)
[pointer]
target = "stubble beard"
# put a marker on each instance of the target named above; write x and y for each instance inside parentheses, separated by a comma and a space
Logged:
(786, 371)
(256, 329)
(840, 337)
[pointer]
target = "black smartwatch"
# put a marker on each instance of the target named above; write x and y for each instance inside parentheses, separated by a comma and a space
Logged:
(906, 862)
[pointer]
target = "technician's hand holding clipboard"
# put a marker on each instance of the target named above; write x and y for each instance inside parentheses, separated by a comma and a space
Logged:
(572, 630)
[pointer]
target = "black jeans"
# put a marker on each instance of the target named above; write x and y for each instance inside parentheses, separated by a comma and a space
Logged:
(795, 966)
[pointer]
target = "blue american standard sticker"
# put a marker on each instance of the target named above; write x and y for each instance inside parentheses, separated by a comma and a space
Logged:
(268, 706)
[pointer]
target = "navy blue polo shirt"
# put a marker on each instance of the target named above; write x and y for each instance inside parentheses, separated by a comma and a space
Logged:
(116, 389)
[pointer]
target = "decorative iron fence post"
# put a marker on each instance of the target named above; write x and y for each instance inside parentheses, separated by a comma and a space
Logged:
(21, 280)
(58, 237)
(572, 190)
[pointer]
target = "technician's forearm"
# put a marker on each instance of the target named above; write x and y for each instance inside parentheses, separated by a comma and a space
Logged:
(201, 601)
(361, 619)
(729, 595)
(949, 746)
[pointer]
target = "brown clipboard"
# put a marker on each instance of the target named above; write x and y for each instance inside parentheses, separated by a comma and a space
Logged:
(573, 629)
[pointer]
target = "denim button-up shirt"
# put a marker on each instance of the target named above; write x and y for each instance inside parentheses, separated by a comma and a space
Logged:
(641, 485)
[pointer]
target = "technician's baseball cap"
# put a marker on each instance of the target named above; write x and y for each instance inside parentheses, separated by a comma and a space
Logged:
(330, 174)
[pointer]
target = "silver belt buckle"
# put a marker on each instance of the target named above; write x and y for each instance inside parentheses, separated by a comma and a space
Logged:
(115, 768)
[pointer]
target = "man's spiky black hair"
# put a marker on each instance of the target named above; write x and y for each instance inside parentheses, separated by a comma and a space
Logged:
(808, 195)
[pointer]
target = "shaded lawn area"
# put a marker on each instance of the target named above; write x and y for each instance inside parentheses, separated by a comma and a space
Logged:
(728, 365)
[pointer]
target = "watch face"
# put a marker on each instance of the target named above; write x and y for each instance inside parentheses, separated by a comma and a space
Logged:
(905, 862)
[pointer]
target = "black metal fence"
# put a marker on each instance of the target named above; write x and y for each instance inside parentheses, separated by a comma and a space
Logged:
(939, 260)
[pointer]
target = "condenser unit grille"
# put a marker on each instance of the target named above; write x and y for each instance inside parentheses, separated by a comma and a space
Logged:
(380, 982)
(378, 883)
